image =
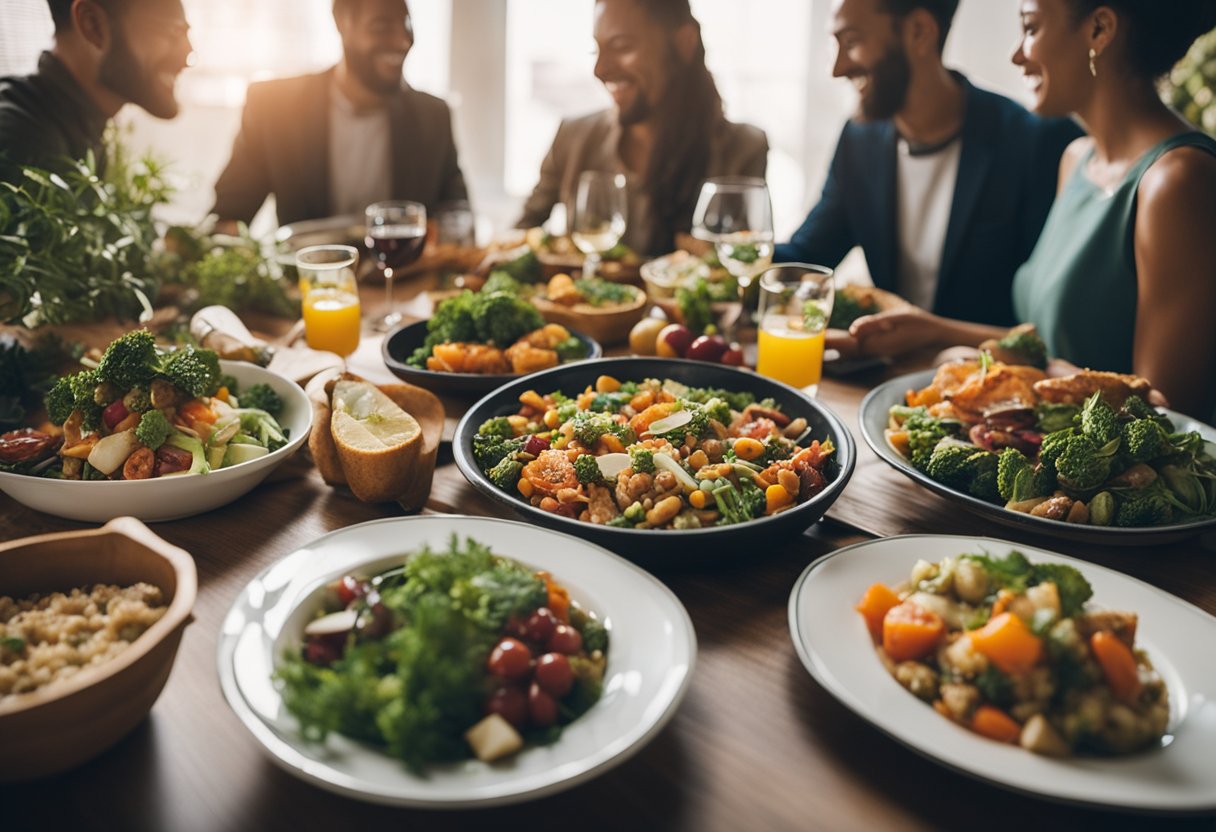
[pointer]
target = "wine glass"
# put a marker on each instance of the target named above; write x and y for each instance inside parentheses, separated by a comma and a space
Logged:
(736, 215)
(396, 234)
(597, 218)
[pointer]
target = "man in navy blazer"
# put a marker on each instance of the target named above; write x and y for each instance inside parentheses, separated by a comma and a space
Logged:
(944, 186)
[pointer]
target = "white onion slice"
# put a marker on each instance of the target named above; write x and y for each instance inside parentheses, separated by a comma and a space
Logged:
(613, 464)
(669, 423)
(668, 464)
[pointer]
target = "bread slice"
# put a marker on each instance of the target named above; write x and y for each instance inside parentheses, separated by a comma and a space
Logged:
(377, 442)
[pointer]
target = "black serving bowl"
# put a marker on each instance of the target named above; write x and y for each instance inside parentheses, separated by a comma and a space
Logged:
(668, 548)
(402, 341)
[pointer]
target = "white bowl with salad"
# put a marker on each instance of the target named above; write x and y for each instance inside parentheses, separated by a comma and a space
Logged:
(327, 703)
(155, 451)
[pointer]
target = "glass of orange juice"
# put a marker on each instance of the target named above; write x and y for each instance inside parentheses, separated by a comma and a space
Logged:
(330, 297)
(795, 305)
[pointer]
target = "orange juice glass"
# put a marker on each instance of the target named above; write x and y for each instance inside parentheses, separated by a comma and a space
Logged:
(330, 298)
(795, 305)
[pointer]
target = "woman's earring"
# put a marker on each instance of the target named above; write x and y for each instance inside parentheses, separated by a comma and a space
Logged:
(1093, 69)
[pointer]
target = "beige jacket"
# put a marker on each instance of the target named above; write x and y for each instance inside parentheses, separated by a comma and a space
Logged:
(592, 143)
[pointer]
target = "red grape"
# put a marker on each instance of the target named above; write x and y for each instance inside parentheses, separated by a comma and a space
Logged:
(554, 675)
(511, 659)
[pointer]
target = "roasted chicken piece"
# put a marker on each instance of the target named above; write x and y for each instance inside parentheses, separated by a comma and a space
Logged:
(457, 357)
(1001, 387)
(1076, 388)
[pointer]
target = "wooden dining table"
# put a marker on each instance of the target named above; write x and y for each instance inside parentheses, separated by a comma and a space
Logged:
(756, 744)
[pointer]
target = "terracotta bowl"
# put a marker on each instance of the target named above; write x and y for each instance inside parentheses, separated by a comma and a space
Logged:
(60, 726)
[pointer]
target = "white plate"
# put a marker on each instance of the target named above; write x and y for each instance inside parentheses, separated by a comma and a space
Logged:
(170, 498)
(832, 641)
(651, 653)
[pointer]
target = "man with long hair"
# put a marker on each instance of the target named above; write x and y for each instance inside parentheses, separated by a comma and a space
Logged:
(333, 142)
(106, 53)
(666, 133)
(944, 186)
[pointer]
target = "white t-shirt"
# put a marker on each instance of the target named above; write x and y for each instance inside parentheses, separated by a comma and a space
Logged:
(360, 168)
(924, 194)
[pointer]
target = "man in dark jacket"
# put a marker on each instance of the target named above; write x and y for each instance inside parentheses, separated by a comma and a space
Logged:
(944, 186)
(106, 53)
(331, 143)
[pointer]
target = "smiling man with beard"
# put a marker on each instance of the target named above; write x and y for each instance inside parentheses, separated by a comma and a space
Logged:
(333, 142)
(944, 186)
(107, 53)
(666, 133)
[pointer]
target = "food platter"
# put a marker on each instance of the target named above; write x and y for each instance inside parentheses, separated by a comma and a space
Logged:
(872, 417)
(157, 499)
(401, 342)
(650, 664)
(667, 548)
(834, 645)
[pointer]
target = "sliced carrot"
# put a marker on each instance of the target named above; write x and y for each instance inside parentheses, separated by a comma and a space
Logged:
(910, 632)
(196, 411)
(1118, 665)
(559, 597)
(995, 724)
(873, 606)
(1008, 643)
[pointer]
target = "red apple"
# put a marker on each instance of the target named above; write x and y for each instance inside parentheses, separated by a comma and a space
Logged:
(707, 348)
(733, 355)
(673, 341)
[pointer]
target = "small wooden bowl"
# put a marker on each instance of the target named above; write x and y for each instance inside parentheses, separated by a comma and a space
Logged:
(608, 325)
(62, 725)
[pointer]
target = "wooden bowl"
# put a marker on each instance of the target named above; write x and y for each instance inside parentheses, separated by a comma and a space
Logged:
(608, 325)
(62, 725)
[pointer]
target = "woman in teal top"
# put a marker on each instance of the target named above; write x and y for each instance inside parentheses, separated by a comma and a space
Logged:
(1123, 277)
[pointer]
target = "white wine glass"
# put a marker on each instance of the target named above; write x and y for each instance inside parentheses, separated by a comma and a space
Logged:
(735, 213)
(598, 215)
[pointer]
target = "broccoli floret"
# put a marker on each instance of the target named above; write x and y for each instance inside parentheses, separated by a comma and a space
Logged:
(1052, 446)
(1014, 476)
(609, 402)
(501, 318)
(924, 432)
(733, 400)
(641, 460)
(230, 382)
(1026, 343)
(488, 450)
(262, 397)
(526, 268)
(452, 321)
(718, 410)
(1052, 417)
(620, 522)
(571, 349)
(130, 360)
(950, 465)
(137, 400)
(1146, 509)
(497, 426)
(589, 427)
(1099, 421)
(588, 470)
(1135, 407)
(75, 392)
(505, 473)
(1081, 466)
(261, 426)
(983, 466)
(777, 448)
(1071, 585)
(738, 505)
(197, 372)
(153, 429)
(500, 281)
(1144, 439)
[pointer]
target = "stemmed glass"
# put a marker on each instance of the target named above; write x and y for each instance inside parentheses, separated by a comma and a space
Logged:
(598, 215)
(736, 215)
(396, 234)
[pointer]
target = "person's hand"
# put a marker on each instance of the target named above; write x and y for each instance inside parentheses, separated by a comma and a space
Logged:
(897, 331)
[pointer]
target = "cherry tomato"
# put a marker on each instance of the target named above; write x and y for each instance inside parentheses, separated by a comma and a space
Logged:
(511, 704)
(541, 706)
(348, 589)
(511, 659)
(114, 413)
(539, 626)
(565, 639)
(554, 675)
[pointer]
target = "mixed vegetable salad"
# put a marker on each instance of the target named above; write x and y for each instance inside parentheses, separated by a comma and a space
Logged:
(1083, 449)
(142, 413)
(454, 652)
(1008, 649)
(653, 455)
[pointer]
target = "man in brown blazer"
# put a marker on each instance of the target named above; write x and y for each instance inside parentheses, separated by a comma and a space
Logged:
(667, 132)
(331, 143)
